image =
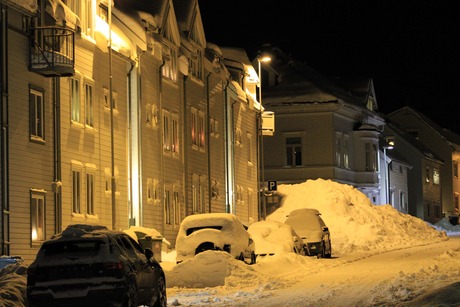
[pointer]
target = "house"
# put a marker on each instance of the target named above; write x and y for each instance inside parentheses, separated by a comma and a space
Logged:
(120, 113)
(325, 128)
(422, 191)
(445, 144)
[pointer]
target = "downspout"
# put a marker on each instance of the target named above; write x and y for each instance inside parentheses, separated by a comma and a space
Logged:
(57, 154)
(131, 221)
(185, 134)
(5, 221)
(228, 166)
(160, 100)
(208, 145)
(112, 147)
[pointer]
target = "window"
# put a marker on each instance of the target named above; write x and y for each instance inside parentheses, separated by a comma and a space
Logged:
(166, 131)
(167, 206)
(84, 10)
(338, 149)
(36, 114)
(75, 99)
(371, 157)
(346, 162)
(427, 174)
(37, 215)
(90, 193)
(435, 176)
(201, 130)
(455, 169)
(198, 194)
(176, 207)
(76, 191)
(89, 113)
(175, 133)
(169, 70)
(293, 151)
(402, 201)
(194, 127)
(196, 64)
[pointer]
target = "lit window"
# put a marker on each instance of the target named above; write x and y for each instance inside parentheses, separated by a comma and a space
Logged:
(75, 99)
(36, 113)
(435, 176)
(37, 215)
(166, 131)
(175, 134)
(89, 105)
(194, 127)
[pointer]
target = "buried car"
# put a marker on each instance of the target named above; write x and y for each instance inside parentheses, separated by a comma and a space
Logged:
(90, 265)
(214, 231)
(309, 225)
(274, 238)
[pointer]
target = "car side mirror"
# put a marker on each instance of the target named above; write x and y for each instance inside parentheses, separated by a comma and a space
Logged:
(250, 241)
(148, 253)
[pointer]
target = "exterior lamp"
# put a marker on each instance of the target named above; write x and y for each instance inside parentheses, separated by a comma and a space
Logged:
(261, 59)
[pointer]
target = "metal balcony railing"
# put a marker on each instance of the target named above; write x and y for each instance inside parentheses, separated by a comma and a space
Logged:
(52, 51)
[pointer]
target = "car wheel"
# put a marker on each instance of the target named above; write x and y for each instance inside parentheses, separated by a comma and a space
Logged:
(328, 253)
(131, 295)
(161, 295)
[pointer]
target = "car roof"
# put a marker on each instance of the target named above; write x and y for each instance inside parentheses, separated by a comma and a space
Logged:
(84, 231)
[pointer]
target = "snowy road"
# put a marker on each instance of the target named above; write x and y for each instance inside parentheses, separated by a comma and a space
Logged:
(396, 278)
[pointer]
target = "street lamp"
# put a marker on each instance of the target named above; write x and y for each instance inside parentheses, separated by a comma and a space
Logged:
(261, 59)
(389, 146)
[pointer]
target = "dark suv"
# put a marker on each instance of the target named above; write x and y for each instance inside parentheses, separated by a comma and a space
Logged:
(90, 265)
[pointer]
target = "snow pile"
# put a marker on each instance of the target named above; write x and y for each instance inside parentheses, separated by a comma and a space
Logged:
(356, 225)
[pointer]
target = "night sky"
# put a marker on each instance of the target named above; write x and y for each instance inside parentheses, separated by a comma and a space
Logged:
(410, 48)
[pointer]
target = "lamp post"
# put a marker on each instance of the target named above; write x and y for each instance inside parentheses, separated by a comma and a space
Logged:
(261, 59)
(387, 184)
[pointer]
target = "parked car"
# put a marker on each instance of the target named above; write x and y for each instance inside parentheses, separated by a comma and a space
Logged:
(90, 265)
(7, 260)
(214, 231)
(273, 237)
(309, 225)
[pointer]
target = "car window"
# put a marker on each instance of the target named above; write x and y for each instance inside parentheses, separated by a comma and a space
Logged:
(80, 248)
(193, 229)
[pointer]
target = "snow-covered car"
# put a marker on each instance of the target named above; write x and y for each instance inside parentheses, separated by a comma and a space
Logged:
(214, 231)
(309, 225)
(274, 238)
(92, 265)
(7, 260)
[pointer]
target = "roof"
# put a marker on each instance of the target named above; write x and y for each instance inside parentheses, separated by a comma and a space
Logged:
(300, 83)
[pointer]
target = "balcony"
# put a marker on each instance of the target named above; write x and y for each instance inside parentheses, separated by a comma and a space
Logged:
(52, 51)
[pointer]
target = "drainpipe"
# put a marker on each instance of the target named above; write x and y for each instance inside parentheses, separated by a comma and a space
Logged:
(131, 221)
(5, 220)
(208, 142)
(57, 154)
(185, 134)
(160, 107)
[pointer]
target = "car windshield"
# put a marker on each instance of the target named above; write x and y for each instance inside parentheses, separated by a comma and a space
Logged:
(304, 222)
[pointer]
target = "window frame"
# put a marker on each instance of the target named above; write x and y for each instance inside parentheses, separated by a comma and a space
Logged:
(36, 114)
(37, 216)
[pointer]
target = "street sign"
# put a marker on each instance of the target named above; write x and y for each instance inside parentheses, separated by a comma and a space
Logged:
(272, 185)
